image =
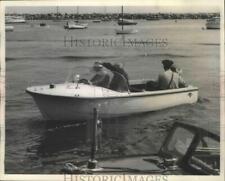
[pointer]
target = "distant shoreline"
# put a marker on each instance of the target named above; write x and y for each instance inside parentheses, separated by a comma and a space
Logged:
(115, 16)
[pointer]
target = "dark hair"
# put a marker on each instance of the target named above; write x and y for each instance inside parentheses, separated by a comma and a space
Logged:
(167, 63)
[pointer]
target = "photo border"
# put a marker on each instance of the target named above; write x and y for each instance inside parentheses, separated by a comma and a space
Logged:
(56, 177)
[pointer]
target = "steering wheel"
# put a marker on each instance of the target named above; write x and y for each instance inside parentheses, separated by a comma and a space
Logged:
(84, 81)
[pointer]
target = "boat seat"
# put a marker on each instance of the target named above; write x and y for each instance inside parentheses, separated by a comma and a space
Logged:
(151, 86)
(136, 89)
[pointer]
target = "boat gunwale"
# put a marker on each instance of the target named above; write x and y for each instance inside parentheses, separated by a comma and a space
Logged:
(128, 95)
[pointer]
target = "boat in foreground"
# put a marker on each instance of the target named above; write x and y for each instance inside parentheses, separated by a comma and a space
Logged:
(74, 100)
(187, 150)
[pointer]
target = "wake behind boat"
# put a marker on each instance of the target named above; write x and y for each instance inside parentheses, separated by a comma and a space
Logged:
(75, 99)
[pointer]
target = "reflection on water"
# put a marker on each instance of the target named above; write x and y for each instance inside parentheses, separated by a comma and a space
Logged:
(76, 138)
(61, 138)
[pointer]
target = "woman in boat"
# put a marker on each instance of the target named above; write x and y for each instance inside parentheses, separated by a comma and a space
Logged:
(120, 78)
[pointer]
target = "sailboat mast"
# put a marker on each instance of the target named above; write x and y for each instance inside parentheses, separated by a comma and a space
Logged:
(77, 13)
(77, 10)
(57, 13)
(105, 10)
(122, 17)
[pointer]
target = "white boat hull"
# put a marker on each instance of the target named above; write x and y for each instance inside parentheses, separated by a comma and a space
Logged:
(14, 19)
(213, 26)
(9, 28)
(110, 104)
(76, 26)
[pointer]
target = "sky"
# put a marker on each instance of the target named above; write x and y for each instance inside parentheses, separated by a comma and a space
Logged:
(155, 6)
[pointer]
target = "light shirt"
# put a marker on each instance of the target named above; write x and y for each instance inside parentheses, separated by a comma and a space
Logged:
(165, 78)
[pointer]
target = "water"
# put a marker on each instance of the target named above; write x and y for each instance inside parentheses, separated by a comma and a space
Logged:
(37, 55)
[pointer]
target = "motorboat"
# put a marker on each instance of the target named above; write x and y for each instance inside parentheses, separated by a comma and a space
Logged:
(96, 21)
(186, 150)
(76, 24)
(43, 24)
(14, 19)
(213, 23)
(9, 28)
(72, 25)
(75, 99)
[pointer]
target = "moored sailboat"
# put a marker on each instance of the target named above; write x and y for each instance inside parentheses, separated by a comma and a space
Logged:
(124, 22)
(70, 25)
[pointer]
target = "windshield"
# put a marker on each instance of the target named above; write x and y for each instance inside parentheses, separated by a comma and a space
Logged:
(78, 73)
(206, 156)
(178, 143)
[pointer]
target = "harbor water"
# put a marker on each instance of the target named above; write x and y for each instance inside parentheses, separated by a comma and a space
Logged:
(42, 55)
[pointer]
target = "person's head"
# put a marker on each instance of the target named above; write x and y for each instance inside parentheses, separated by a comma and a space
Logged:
(167, 64)
(97, 66)
(118, 65)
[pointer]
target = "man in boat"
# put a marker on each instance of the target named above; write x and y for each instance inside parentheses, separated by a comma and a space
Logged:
(102, 77)
(170, 79)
